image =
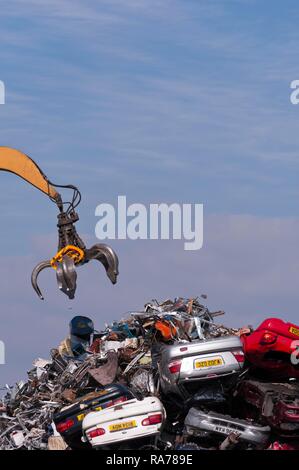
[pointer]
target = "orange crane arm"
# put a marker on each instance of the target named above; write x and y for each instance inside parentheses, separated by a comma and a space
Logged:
(20, 164)
(71, 249)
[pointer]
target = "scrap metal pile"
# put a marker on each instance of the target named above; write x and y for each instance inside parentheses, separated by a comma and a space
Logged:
(167, 377)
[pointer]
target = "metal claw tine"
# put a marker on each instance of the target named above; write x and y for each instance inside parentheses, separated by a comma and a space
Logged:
(66, 276)
(107, 256)
(42, 265)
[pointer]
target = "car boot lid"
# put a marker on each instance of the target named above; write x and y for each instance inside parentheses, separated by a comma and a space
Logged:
(211, 345)
(127, 409)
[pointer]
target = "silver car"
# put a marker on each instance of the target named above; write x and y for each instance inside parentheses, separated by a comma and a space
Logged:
(201, 424)
(185, 367)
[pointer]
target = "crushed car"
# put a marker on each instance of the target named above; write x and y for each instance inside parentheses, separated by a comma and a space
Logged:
(269, 348)
(169, 376)
(206, 425)
(274, 404)
(185, 367)
(68, 420)
(134, 420)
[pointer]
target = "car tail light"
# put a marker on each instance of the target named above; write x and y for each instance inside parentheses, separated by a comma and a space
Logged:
(119, 400)
(96, 432)
(107, 404)
(268, 338)
(294, 413)
(239, 355)
(175, 367)
(153, 419)
(110, 403)
(62, 427)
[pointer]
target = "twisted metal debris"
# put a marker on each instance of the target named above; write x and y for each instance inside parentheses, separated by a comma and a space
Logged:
(127, 357)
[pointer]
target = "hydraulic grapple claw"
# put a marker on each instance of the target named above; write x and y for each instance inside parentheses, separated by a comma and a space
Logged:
(72, 252)
(65, 267)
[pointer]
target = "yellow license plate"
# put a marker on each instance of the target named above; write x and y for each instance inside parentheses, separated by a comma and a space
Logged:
(209, 363)
(80, 417)
(294, 331)
(121, 426)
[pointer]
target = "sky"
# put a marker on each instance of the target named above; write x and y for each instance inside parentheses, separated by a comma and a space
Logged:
(184, 101)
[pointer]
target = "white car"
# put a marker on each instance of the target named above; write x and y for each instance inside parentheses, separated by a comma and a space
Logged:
(133, 419)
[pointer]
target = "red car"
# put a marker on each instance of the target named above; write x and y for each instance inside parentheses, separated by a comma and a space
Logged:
(274, 348)
(274, 404)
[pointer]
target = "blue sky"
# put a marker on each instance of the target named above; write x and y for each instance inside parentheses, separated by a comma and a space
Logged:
(160, 100)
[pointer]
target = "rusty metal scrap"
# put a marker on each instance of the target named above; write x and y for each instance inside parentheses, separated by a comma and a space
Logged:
(106, 373)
